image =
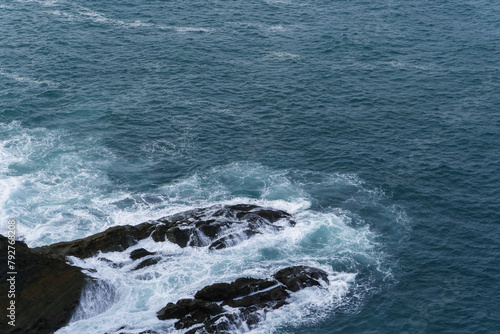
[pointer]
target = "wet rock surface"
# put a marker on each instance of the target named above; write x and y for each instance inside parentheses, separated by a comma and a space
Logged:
(47, 290)
(217, 227)
(117, 238)
(220, 226)
(148, 262)
(140, 253)
(222, 307)
(296, 278)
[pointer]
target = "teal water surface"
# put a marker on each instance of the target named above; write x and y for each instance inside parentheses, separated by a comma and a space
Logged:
(384, 116)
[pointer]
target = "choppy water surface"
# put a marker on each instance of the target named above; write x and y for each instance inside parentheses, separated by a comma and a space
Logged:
(375, 124)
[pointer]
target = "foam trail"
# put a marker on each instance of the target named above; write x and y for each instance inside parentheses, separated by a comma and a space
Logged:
(86, 14)
(28, 80)
(283, 56)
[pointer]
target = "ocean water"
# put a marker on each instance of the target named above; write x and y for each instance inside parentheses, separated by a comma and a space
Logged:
(376, 124)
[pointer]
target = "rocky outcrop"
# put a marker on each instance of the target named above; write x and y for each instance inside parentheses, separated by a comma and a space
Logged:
(115, 238)
(47, 290)
(216, 227)
(222, 307)
(219, 226)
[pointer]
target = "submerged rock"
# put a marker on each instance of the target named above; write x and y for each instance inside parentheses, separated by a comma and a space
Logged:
(248, 301)
(217, 227)
(47, 290)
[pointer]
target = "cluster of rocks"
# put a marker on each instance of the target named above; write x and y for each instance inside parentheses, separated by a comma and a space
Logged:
(222, 307)
(49, 289)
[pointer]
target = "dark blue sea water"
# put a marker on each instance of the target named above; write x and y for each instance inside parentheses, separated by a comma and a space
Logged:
(376, 123)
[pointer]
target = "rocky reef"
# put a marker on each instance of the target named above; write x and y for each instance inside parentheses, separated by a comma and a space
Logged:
(216, 227)
(48, 289)
(223, 307)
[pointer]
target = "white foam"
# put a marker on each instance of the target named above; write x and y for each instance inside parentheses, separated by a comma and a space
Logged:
(278, 2)
(90, 306)
(276, 28)
(47, 186)
(408, 65)
(8, 187)
(283, 56)
(28, 80)
(47, 3)
(82, 13)
(264, 28)
(192, 29)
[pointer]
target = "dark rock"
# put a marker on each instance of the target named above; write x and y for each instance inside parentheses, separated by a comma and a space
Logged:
(251, 297)
(268, 298)
(197, 309)
(223, 324)
(174, 311)
(252, 320)
(296, 278)
(47, 290)
(147, 263)
(45, 273)
(248, 294)
(247, 285)
(116, 238)
(217, 292)
(227, 291)
(218, 226)
(139, 253)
